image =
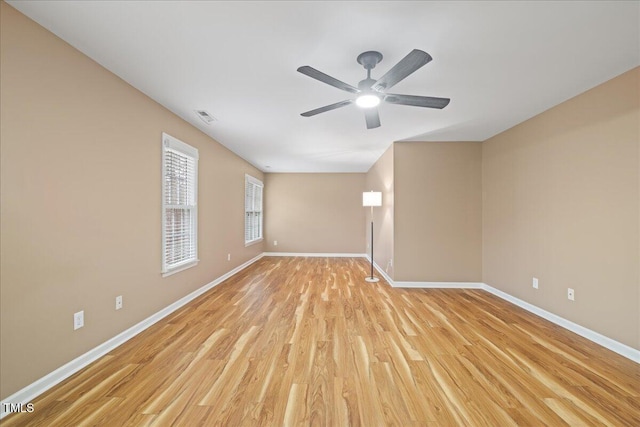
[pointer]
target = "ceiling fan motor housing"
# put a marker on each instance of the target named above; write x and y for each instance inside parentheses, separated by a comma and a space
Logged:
(369, 59)
(365, 85)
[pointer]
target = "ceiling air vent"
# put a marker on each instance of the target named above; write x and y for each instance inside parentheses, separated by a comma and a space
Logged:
(206, 117)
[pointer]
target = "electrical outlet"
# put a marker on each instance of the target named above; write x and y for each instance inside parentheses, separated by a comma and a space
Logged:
(571, 294)
(275, 243)
(535, 283)
(391, 263)
(228, 257)
(78, 320)
(118, 302)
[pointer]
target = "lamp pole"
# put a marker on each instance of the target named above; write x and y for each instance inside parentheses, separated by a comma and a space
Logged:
(372, 278)
(372, 198)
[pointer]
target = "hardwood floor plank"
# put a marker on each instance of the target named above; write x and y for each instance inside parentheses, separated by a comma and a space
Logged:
(306, 341)
(295, 413)
(431, 397)
(320, 399)
(394, 407)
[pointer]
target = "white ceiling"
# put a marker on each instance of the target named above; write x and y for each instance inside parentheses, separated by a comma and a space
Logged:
(499, 62)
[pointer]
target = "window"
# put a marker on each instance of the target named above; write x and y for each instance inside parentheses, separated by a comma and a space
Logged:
(179, 205)
(252, 209)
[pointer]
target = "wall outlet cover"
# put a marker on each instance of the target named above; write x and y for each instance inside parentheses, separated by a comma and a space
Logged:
(78, 320)
(535, 283)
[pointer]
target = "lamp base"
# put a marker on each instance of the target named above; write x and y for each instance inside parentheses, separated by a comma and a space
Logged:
(371, 279)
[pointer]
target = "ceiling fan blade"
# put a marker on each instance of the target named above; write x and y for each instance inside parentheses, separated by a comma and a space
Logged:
(417, 101)
(410, 63)
(326, 108)
(324, 78)
(372, 117)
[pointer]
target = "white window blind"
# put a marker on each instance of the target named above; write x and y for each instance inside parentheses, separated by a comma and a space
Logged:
(252, 209)
(179, 205)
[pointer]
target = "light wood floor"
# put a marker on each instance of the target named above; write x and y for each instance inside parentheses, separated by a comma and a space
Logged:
(306, 341)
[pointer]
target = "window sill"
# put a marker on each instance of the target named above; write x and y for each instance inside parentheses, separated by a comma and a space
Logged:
(253, 242)
(180, 268)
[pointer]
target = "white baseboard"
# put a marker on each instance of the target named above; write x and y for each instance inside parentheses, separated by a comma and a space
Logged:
(613, 345)
(439, 285)
(33, 390)
(315, 254)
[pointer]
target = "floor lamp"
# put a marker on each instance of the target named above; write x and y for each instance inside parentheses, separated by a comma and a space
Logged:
(371, 198)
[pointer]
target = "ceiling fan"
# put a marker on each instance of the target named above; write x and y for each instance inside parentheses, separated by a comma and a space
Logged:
(370, 92)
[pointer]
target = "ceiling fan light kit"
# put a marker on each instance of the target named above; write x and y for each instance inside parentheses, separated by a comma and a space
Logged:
(368, 100)
(371, 92)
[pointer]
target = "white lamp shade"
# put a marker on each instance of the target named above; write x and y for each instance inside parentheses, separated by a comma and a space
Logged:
(372, 198)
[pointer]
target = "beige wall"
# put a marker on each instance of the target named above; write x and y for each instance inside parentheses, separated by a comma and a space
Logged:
(314, 212)
(561, 203)
(438, 211)
(80, 185)
(380, 178)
